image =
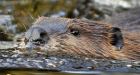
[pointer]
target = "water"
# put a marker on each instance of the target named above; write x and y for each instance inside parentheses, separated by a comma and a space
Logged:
(16, 61)
(14, 72)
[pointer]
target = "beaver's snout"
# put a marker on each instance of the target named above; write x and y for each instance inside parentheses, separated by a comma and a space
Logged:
(36, 38)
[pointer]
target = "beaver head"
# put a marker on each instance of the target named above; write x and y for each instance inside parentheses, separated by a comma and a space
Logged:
(74, 37)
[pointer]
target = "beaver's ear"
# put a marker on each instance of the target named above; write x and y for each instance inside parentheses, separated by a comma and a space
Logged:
(116, 38)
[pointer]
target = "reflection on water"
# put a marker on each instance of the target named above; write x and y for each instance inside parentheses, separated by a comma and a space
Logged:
(13, 61)
(62, 73)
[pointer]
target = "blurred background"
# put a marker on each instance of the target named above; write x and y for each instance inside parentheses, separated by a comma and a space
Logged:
(17, 16)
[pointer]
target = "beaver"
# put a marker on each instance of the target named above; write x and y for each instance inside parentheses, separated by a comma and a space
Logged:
(62, 37)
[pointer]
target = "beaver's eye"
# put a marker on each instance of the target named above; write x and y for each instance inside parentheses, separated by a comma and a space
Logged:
(75, 32)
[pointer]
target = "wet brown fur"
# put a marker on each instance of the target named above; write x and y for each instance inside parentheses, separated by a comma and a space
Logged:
(132, 45)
